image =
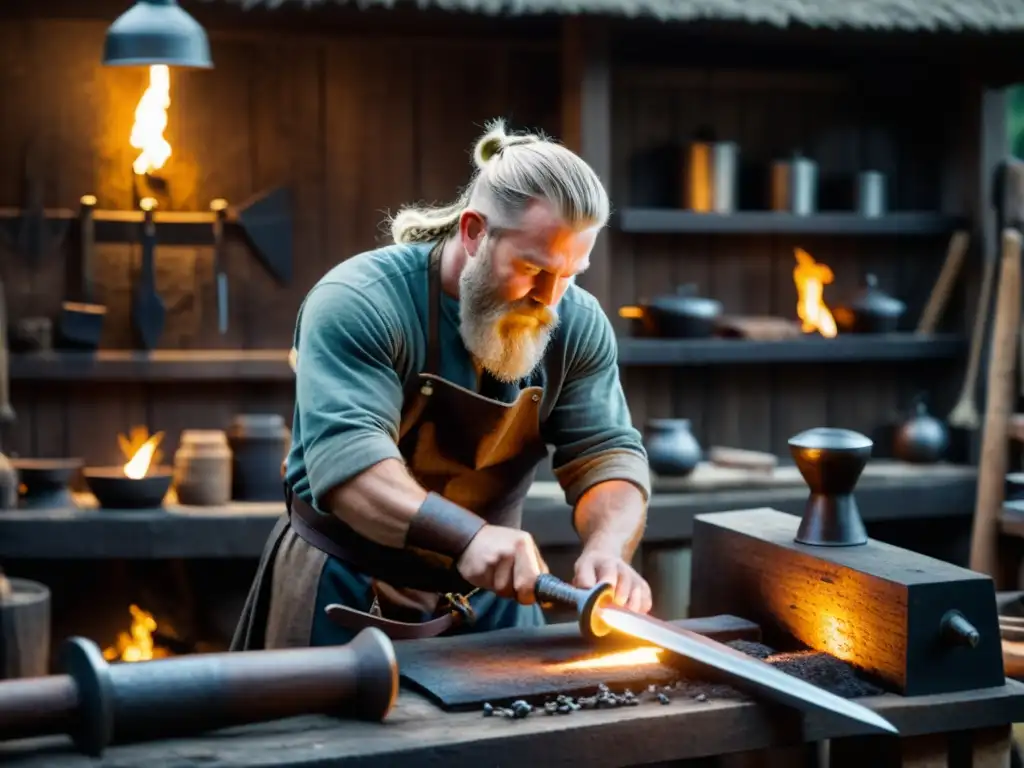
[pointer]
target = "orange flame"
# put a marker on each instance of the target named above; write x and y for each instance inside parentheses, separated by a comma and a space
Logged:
(811, 278)
(632, 658)
(137, 643)
(151, 121)
(140, 450)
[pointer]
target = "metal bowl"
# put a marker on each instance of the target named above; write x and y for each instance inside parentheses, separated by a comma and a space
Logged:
(115, 491)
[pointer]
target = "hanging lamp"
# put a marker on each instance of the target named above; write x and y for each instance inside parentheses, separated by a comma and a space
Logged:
(156, 32)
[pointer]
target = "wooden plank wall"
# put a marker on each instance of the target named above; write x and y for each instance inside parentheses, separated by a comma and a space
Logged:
(355, 127)
(358, 125)
(846, 125)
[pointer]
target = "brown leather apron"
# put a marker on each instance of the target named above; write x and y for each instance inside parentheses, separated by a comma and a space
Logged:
(478, 452)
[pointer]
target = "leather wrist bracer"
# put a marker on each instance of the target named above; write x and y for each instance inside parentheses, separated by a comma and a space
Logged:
(442, 527)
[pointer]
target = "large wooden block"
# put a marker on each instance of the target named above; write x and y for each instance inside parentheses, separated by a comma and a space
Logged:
(881, 608)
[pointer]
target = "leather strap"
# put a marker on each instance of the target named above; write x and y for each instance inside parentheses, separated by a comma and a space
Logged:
(354, 620)
(433, 364)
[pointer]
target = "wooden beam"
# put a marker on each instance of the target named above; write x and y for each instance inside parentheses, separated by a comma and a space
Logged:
(587, 124)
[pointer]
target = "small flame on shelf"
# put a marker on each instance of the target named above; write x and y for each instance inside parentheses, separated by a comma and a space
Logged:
(151, 122)
(811, 278)
(633, 658)
(137, 643)
(141, 451)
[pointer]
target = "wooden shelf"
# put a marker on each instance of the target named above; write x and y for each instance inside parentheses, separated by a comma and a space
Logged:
(159, 365)
(886, 491)
(668, 220)
(272, 364)
(852, 348)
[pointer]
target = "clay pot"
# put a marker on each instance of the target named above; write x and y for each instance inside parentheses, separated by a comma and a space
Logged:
(672, 450)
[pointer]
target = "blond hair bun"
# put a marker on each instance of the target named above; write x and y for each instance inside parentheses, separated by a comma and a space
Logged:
(490, 144)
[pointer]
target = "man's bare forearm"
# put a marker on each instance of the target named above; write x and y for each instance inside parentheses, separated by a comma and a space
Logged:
(379, 503)
(611, 517)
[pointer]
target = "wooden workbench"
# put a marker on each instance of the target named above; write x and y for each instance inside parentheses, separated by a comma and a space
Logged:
(419, 734)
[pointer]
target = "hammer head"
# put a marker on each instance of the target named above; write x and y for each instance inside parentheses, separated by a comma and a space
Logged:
(1009, 193)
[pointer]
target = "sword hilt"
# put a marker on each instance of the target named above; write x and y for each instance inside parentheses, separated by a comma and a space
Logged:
(551, 589)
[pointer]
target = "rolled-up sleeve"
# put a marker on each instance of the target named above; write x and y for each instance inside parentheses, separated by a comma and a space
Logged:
(348, 392)
(590, 426)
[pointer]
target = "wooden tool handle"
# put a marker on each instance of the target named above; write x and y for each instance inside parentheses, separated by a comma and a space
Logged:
(978, 334)
(739, 458)
(998, 408)
(944, 284)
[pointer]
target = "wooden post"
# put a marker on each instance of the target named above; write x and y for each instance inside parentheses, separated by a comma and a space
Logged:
(992, 149)
(587, 124)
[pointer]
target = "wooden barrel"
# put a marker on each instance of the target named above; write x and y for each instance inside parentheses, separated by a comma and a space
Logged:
(202, 468)
(24, 628)
(259, 442)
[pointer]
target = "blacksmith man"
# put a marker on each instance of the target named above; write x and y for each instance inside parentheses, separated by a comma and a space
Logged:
(432, 374)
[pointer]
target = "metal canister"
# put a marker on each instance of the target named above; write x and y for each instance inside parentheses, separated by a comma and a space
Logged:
(795, 186)
(711, 177)
(871, 198)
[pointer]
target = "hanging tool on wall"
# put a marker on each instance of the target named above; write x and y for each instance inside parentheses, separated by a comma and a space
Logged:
(266, 221)
(1002, 365)
(148, 310)
(81, 322)
(34, 234)
(943, 287)
(220, 274)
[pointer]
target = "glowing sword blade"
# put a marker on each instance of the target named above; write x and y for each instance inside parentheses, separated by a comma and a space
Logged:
(598, 615)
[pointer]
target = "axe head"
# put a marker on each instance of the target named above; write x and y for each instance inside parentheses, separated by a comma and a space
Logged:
(1009, 193)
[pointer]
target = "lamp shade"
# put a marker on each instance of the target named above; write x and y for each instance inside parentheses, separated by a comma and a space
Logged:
(156, 32)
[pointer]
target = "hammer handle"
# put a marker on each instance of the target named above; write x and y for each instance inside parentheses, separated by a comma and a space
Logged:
(998, 408)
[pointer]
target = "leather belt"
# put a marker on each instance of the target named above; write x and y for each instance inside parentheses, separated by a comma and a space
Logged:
(459, 612)
(316, 531)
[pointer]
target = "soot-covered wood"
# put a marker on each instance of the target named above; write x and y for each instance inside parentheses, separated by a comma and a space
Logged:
(876, 606)
(466, 671)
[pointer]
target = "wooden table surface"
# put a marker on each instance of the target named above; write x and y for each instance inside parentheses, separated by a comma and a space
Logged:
(419, 734)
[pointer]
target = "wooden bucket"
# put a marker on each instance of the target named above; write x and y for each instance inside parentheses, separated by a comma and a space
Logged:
(24, 628)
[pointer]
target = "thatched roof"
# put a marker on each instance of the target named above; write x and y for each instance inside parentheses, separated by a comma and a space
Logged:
(905, 15)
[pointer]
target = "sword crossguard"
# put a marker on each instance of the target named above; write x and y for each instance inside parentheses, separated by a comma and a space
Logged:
(551, 589)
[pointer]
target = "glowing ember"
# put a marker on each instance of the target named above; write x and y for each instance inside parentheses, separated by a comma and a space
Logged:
(811, 278)
(140, 450)
(632, 658)
(137, 643)
(834, 637)
(151, 121)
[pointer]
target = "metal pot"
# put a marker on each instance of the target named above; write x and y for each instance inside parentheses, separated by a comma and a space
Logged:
(872, 310)
(680, 315)
(922, 439)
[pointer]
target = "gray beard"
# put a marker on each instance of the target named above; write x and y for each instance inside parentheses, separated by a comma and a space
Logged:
(507, 354)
